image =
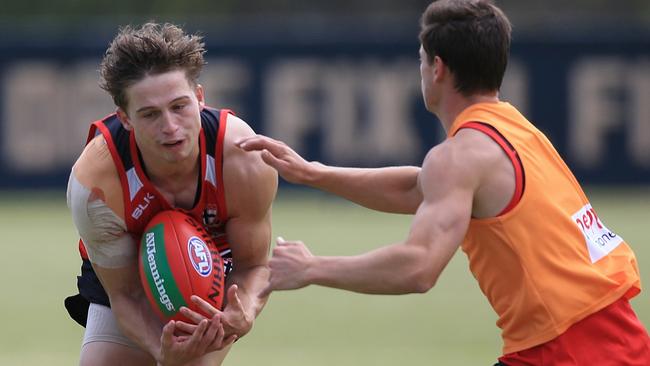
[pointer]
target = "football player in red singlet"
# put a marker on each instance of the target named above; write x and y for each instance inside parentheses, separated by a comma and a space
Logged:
(495, 187)
(164, 149)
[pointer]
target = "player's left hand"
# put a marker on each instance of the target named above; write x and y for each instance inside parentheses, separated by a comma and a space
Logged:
(236, 321)
(235, 318)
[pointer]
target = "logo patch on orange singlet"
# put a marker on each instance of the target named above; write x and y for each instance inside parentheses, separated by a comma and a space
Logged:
(599, 239)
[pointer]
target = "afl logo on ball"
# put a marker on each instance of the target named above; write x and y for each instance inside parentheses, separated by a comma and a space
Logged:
(199, 256)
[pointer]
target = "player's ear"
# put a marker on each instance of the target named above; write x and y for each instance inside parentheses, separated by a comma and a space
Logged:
(200, 96)
(124, 118)
(439, 68)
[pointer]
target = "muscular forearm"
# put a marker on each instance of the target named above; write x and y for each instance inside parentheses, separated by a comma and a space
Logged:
(250, 282)
(391, 189)
(395, 269)
(138, 322)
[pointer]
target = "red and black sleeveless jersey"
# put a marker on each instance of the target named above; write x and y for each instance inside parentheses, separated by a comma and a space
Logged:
(142, 200)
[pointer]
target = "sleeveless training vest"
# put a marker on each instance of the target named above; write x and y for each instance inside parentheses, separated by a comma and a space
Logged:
(549, 261)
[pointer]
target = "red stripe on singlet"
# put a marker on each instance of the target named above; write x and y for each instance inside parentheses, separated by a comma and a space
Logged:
(512, 155)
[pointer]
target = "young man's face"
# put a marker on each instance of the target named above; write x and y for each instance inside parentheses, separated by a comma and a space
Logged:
(164, 113)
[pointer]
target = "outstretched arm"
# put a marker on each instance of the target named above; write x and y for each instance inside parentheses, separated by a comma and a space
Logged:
(391, 189)
(413, 265)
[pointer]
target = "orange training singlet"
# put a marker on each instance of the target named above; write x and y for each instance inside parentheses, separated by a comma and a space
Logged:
(549, 261)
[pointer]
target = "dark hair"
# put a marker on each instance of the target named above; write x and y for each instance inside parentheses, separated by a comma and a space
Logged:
(472, 37)
(151, 49)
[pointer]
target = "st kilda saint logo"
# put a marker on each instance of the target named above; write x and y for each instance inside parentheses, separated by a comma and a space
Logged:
(211, 217)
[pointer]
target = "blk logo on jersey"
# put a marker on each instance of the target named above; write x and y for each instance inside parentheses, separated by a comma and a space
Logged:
(139, 209)
(199, 255)
(599, 239)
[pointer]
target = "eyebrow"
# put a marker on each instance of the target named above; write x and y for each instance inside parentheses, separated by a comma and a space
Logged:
(172, 102)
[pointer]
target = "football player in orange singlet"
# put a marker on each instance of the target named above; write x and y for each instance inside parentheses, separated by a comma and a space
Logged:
(495, 187)
(164, 149)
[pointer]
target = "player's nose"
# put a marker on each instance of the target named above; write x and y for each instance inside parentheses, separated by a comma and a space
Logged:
(168, 123)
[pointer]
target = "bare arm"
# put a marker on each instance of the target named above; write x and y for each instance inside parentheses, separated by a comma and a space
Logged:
(413, 265)
(251, 186)
(130, 306)
(391, 189)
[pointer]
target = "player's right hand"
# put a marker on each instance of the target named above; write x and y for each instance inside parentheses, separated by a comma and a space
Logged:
(289, 164)
(234, 319)
(289, 265)
(198, 340)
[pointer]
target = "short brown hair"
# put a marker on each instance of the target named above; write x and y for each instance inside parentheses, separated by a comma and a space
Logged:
(472, 37)
(151, 49)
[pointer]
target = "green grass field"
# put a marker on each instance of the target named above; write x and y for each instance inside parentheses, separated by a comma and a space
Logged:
(451, 325)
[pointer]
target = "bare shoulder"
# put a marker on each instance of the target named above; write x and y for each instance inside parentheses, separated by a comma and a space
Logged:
(249, 182)
(237, 128)
(459, 162)
(482, 155)
(96, 171)
(477, 144)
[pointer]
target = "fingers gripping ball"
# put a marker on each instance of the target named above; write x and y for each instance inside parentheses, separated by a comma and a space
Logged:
(178, 259)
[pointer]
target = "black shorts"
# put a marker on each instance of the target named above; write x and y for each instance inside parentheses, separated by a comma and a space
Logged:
(90, 290)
